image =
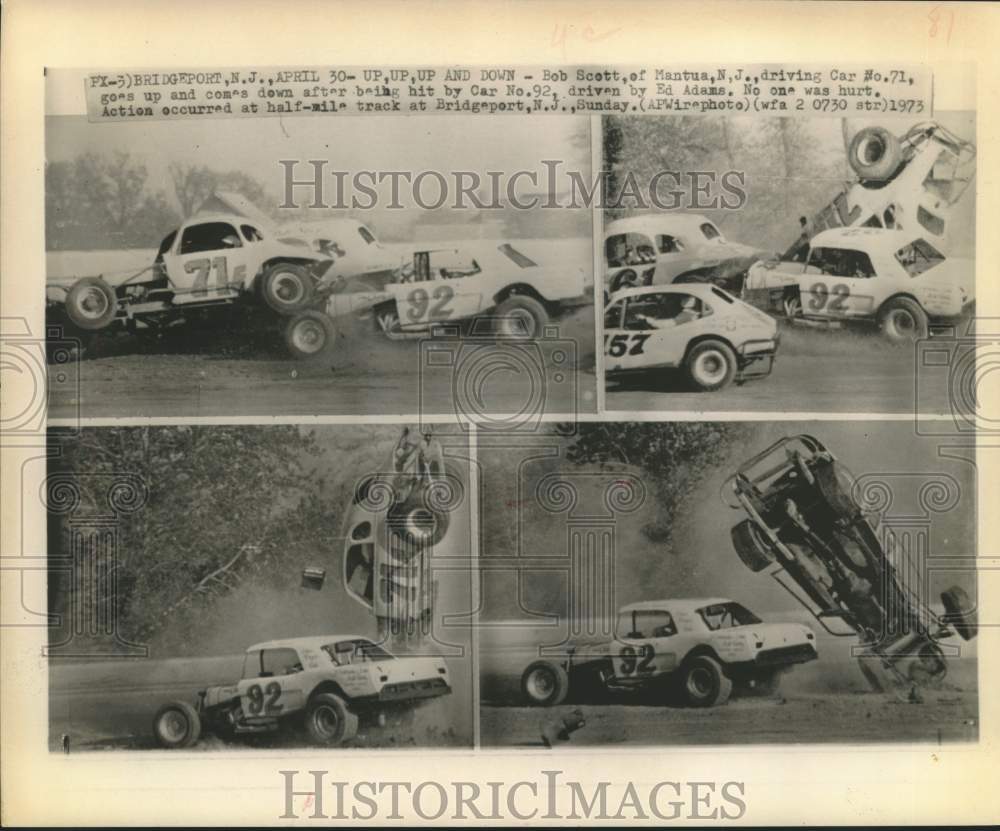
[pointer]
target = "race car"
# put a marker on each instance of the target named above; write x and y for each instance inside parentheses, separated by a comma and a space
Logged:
(805, 524)
(224, 255)
(694, 649)
(328, 684)
(714, 337)
(658, 249)
(356, 252)
(510, 295)
(911, 182)
(893, 279)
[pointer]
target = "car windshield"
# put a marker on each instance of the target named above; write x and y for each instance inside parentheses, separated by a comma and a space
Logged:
(726, 616)
(355, 650)
(918, 256)
(645, 623)
(513, 254)
(167, 243)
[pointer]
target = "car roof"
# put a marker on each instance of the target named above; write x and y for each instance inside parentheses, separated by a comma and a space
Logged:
(310, 642)
(882, 240)
(655, 223)
(702, 290)
(231, 219)
(683, 604)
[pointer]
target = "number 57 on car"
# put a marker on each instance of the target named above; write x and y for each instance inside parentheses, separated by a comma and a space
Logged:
(698, 328)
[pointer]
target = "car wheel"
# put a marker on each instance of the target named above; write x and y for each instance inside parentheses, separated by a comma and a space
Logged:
(176, 724)
(874, 154)
(328, 721)
(91, 304)
(626, 279)
(520, 317)
(928, 667)
(310, 334)
(751, 545)
(545, 684)
(903, 321)
(960, 612)
(287, 288)
(703, 682)
(710, 365)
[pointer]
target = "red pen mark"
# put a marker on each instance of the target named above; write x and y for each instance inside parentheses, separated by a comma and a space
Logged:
(308, 804)
(564, 31)
(940, 17)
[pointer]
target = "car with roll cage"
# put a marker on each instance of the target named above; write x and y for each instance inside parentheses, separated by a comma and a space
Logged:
(447, 290)
(223, 258)
(713, 337)
(663, 248)
(888, 278)
(328, 685)
(805, 527)
(692, 650)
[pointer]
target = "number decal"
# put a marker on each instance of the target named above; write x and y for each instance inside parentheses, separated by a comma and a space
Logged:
(200, 269)
(256, 701)
(420, 303)
(620, 344)
(203, 266)
(637, 661)
(820, 294)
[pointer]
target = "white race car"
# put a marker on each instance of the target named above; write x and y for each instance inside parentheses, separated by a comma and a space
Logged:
(328, 683)
(698, 648)
(895, 279)
(714, 337)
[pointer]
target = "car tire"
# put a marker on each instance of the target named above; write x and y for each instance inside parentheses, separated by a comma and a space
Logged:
(751, 546)
(91, 304)
(176, 725)
(328, 721)
(545, 684)
(928, 667)
(624, 280)
(287, 288)
(836, 487)
(903, 321)
(875, 154)
(960, 612)
(521, 317)
(710, 365)
(703, 683)
(310, 335)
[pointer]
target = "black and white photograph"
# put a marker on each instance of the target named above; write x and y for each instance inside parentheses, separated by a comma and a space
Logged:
(728, 583)
(786, 262)
(226, 588)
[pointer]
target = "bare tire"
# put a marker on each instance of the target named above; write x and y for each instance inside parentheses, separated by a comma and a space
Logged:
(287, 288)
(703, 683)
(751, 546)
(328, 721)
(91, 304)
(710, 365)
(836, 486)
(310, 334)
(176, 724)
(903, 321)
(521, 317)
(960, 612)
(624, 280)
(875, 154)
(545, 684)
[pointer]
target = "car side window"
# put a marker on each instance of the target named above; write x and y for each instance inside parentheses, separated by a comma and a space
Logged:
(282, 661)
(209, 236)
(613, 315)
(251, 234)
(667, 244)
(841, 262)
(709, 230)
(251, 664)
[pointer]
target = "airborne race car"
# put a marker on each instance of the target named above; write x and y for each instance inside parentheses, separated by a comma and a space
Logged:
(890, 278)
(805, 524)
(326, 684)
(695, 649)
(511, 293)
(223, 256)
(707, 332)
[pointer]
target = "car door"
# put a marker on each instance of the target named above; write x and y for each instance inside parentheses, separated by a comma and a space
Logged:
(209, 260)
(271, 683)
(838, 283)
(654, 330)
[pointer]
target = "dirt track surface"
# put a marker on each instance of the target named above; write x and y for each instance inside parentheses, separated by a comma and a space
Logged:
(796, 719)
(816, 371)
(204, 373)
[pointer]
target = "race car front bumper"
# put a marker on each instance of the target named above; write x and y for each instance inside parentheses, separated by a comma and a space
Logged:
(756, 358)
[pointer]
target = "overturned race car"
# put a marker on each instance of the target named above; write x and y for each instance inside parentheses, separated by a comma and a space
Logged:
(805, 525)
(326, 685)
